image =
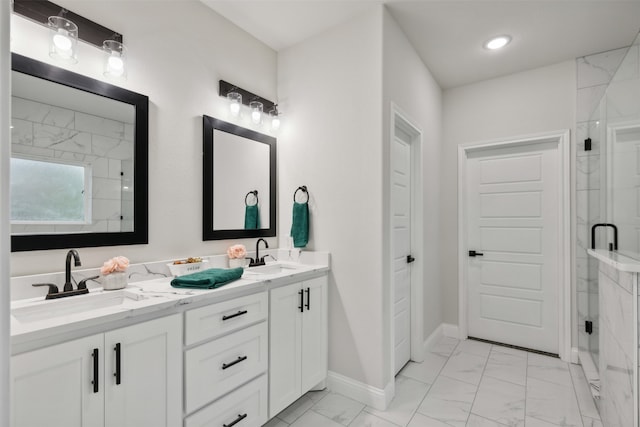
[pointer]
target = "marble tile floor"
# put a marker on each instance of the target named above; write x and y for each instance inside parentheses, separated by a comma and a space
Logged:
(463, 384)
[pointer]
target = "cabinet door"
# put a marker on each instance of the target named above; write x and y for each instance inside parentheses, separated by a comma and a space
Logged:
(243, 407)
(284, 347)
(148, 372)
(217, 367)
(53, 386)
(314, 333)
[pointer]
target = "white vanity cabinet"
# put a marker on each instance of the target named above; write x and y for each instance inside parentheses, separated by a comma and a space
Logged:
(225, 363)
(298, 341)
(128, 377)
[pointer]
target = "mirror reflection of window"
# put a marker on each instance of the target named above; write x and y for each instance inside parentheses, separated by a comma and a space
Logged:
(62, 127)
(49, 193)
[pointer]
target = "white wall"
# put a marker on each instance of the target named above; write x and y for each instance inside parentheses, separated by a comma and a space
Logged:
(5, 154)
(411, 87)
(330, 90)
(177, 53)
(534, 101)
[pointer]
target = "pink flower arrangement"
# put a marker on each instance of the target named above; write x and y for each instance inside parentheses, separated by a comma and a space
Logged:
(236, 251)
(116, 264)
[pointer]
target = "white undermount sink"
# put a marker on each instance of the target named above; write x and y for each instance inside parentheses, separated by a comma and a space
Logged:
(273, 268)
(49, 309)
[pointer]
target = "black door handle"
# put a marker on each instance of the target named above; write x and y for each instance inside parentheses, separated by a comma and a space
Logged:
(236, 421)
(238, 360)
(410, 259)
(301, 306)
(474, 253)
(231, 316)
(95, 370)
(308, 304)
(117, 374)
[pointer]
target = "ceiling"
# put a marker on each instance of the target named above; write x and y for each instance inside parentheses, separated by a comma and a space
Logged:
(448, 35)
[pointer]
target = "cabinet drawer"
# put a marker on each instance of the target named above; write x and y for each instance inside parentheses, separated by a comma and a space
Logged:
(217, 319)
(247, 405)
(217, 367)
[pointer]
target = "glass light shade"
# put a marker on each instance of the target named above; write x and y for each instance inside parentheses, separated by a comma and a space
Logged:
(115, 63)
(275, 120)
(63, 39)
(235, 102)
(256, 112)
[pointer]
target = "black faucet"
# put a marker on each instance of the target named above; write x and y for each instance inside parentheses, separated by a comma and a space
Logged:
(615, 235)
(68, 286)
(67, 290)
(258, 261)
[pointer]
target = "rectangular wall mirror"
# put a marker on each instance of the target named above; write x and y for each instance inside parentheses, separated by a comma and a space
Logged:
(239, 182)
(79, 160)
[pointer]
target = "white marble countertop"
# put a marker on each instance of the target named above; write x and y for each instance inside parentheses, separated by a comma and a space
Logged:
(147, 299)
(616, 260)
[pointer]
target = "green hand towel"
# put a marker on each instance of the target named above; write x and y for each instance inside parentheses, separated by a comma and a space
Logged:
(208, 279)
(251, 217)
(300, 225)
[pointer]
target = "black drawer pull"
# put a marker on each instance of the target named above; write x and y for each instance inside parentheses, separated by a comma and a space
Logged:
(308, 304)
(118, 367)
(238, 360)
(301, 306)
(236, 421)
(231, 316)
(474, 253)
(95, 370)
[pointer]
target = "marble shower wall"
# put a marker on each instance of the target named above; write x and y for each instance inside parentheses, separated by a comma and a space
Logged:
(617, 372)
(594, 73)
(42, 131)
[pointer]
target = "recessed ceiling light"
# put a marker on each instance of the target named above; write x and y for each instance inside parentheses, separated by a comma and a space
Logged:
(497, 42)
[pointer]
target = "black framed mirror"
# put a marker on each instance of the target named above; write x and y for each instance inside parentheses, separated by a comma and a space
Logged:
(239, 182)
(79, 160)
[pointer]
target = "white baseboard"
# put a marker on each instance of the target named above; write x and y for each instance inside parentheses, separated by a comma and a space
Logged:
(364, 393)
(575, 358)
(450, 330)
(433, 339)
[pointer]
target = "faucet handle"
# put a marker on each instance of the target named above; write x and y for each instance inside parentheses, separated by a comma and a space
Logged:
(53, 289)
(83, 283)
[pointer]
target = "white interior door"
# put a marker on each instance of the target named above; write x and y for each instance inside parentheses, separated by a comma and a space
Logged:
(513, 217)
(401, 222)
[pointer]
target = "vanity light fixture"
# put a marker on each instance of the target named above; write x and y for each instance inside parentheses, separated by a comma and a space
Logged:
(63, 39)
(115, 65)
(256, 112)
(235, 102)
(497, 42)
(66, 28)
(274, 115)
(238, 97)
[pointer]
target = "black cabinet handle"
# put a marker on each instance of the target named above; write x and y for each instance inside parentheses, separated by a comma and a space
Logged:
(301, 306)
(95, 370)
(231, 316)
(308, 304)
(238, 360)
(410, 259)
(236, 421)
(474, 253)
(118, 366)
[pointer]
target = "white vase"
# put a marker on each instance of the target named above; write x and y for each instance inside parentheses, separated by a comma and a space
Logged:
(112, 281)
(237, 262)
